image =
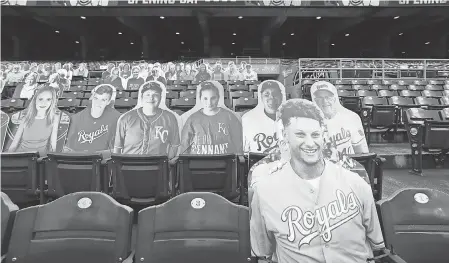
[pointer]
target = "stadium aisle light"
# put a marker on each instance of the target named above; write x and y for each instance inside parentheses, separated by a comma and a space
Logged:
(161, 17)
(83, 17)
(318, 17)
(332, 44)
(177, 33)
(119, 33)
(240, 17)
(346, 35)
(396, 17)
(234, 34)
(233, 43)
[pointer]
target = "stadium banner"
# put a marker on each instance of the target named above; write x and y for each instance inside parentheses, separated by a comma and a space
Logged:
(225, 3)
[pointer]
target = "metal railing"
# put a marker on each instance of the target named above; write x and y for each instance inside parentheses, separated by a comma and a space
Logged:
(357, 68)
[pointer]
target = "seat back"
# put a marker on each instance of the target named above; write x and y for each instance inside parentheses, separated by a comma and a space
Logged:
(416, 224)
(242, 104)
(9, 210)
(69, 173)
(213, 173)
(194, 227)
(20, 179)
(368, 160)
(79, 227)
(141, 179)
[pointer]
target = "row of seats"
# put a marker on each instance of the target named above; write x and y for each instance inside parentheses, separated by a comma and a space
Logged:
(92, 227)
(402, 82)
(141, 179)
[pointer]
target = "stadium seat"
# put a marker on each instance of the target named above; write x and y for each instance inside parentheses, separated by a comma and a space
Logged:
(182, 82)
(360, 87)
(252, 82)
(12, 105)
(402, 103)
(410, 93)
(374, 167)
(366, 93)
(397, 87)
(349, 99)
(427, 130)
(379, 87)
(20, 177)
(243, 104)
(358, 82)
(416, 87)
(67, 173)
(193, 228)
(373, 82)
(140, 179)
(183, 104)
(238, 87)
(387, 93)
(122, 94)
(125, 104)
(241, 94)
(236, 82)
(434, 87)
(69, 104)
(420, 82)
(191, 94)
(9, 210)
(415, 223)
(72, 94)
(221, 174)
(432, 93)
(343, 82)
(376, 112)
(429, 103)
(436, 82)
(80, 227)
(344, 87)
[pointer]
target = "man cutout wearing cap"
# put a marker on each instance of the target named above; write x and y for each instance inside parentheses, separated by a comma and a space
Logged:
(93, 129)
(148, 129)
(259, 131)
(344, 127)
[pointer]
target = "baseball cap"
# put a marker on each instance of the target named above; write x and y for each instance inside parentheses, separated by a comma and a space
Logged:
(322, 85)
(270, 85)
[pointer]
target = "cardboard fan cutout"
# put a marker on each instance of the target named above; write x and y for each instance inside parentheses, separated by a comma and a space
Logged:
(259, 129)
(149, 128)
(40, 127)
(280, 155)
(93, 129)
(210, 128)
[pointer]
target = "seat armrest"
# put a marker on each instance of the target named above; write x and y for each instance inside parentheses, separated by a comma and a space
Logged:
(41, 160)
(241, 159)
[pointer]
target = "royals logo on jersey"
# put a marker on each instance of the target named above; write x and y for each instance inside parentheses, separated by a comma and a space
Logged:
(141, 134)
(305, 226)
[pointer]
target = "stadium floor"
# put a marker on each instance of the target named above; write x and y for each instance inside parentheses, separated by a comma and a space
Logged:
(395, 180)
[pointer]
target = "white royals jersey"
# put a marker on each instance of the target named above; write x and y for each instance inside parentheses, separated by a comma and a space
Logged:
(344, 131)
(312, 225)
(259, 132)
